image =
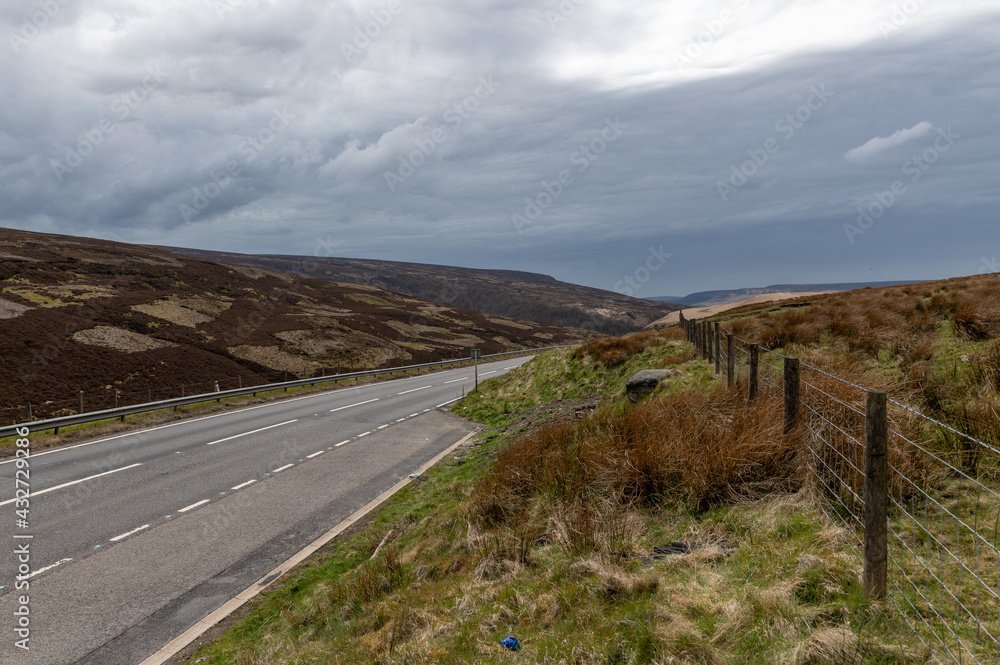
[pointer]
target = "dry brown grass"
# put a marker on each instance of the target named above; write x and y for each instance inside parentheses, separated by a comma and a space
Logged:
(613, 351)
(695, 448)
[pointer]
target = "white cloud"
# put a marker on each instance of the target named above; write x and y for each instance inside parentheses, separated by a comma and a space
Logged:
(879, 144)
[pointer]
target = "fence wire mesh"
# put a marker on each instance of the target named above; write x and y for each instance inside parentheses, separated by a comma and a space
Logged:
(943, 526)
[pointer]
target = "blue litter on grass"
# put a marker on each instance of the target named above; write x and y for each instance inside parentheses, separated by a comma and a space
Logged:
(511, 643)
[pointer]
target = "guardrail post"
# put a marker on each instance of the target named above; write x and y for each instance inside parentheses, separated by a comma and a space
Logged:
(791, 390)
(876, 495)
(730, 361)
(718, 361)
(754, 366)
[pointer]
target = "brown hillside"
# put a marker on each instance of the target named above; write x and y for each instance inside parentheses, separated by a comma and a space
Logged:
(78, 314)
(513, 293)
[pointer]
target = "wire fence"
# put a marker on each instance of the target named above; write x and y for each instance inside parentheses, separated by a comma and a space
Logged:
(941, 517)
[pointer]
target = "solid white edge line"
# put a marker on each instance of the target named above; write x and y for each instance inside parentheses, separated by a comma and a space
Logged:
(59, 487)
(193, 506)
(447, 403)
(126, 535)
(464, 378)
(338, 445)
(341, 408)
(315, 454)
(42, 570)
(242, 485)
(279, 470)
(194, 632)
(325, 393)
(406, 392)
(236, 436)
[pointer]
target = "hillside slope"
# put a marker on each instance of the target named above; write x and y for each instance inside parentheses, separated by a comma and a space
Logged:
(725, 297)
(78, 314)
(512, 293)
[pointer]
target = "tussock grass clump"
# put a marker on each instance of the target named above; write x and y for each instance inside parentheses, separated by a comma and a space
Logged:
(696, 448)
(614, 351)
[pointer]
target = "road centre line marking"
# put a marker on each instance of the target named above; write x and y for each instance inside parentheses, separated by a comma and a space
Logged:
(42, 570)
(341, 408)
(193, 506)
(236, 436)
(130, 533)
(325, 393)
(59, 487)
(315, 454)
(414, 390)
(242, 485)
(287, 466)
(487, 373)
(464, 378)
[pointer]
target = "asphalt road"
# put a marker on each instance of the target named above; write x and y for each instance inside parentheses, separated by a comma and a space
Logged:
(136, 537)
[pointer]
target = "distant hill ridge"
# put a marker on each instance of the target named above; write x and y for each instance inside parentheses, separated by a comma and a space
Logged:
(522, 295)
(723, 297)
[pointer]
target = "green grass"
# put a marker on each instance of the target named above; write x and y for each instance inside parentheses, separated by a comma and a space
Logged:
(768, 582)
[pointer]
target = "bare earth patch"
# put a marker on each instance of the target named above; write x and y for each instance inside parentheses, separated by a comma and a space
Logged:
(171, 311)
(11, 310)
(119, 339)
(274, 358)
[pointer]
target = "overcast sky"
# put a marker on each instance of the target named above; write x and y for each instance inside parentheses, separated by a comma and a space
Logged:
(685, 145)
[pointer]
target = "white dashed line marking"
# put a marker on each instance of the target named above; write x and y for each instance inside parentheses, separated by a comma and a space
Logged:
(315, 454)
(401, 420)
(488, 373)
(193, 506)
(287, 466)
(236, 436)
(464, 378)
(130, 533)
(42, 570)
(342, 443)
(242, 485)
(413, 415)
(59, 487)
(361, 435)
(447, 403)
(341, 408)
(414, 390)
(381, 427)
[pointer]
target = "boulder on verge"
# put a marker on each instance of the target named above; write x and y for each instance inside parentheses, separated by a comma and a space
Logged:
(644, 382)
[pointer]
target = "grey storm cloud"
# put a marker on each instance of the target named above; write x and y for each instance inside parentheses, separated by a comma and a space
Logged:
(570, 137)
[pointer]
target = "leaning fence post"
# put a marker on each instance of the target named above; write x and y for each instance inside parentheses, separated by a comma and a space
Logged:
(730, 361)
(718, 364)
(694, 335)
(752, 379)
(791, 389)
(876, 495)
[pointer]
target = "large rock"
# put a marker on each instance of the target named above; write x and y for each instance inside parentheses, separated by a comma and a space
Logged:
(644, 382)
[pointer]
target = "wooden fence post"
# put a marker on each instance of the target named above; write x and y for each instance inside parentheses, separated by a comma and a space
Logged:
(791, 390)
(876, 495)
(718, 362)
(730, 361)
(754, 365)
(709, 345)
(694, 335)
